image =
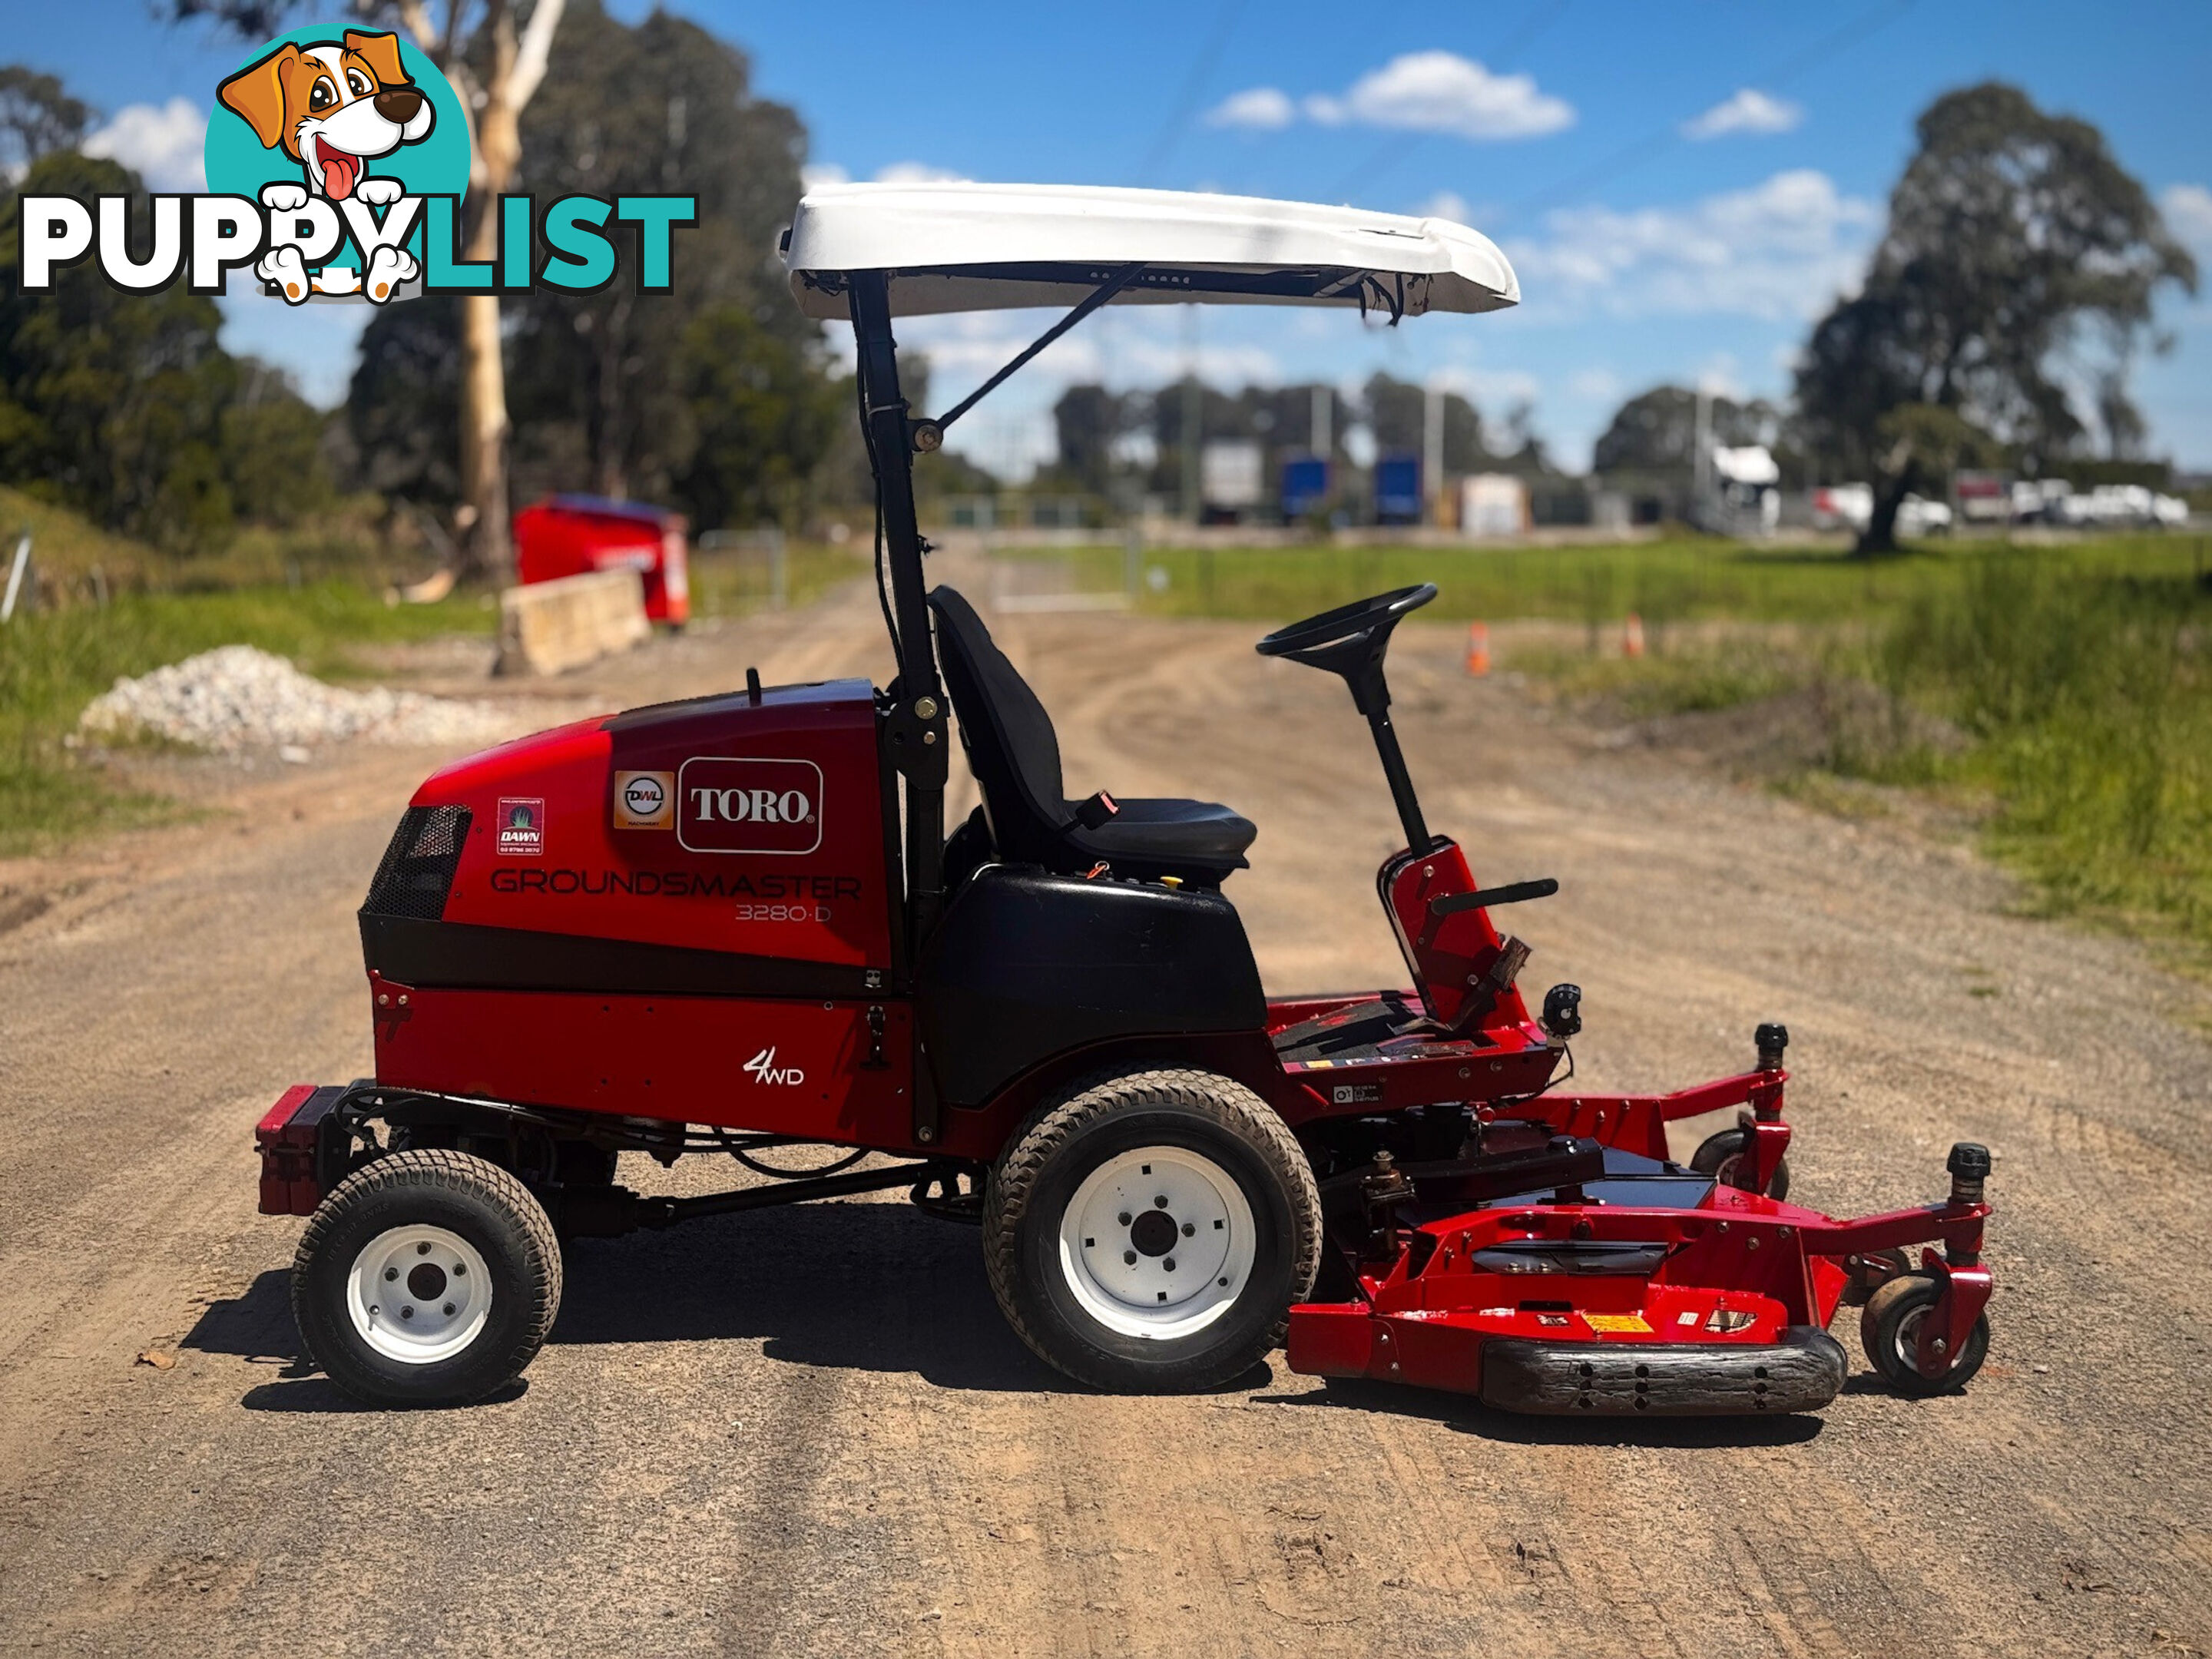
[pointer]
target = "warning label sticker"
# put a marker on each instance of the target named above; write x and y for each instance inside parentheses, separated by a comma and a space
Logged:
(1618, 1324)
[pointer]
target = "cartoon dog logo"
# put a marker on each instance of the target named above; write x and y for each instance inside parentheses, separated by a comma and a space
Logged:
(333, 109)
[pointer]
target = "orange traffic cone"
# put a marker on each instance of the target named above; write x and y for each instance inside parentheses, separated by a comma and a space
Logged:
(1478, 649)
(1631, 637)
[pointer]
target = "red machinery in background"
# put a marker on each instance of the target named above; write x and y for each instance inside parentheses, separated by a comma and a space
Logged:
(570, 535)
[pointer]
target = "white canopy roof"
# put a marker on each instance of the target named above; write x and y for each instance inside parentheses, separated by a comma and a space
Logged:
(984, 247)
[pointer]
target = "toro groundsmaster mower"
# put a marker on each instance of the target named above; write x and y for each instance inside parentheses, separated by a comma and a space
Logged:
(736, 924)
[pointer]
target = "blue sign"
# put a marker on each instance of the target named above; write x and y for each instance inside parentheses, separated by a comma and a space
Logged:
(1305, 484)
(1398, 489)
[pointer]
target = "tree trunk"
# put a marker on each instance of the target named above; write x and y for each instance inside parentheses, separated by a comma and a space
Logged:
(517, 65)
(1881, 534)
(487, 548)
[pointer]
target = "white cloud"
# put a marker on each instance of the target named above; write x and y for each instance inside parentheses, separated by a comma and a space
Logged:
(1442, 92)
(918, 172)
(163, 143)
(2188, 210)
(1748, 110)
(1449, 205)
(1258, 109)
(815, 174)
(1780, 250)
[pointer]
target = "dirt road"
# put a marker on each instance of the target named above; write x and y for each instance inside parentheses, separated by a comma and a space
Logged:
(808, 1431)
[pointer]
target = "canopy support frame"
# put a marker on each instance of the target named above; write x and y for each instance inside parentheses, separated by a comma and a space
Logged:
(916, 732)
(1098, 297)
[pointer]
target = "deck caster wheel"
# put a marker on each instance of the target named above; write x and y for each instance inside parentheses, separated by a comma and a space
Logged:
(1718, 1154)
(428, 1278)
(1889, 1328)
(1148, 1233)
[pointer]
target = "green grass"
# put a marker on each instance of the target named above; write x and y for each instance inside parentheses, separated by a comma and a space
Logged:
(2087, 692)
(65, 546)
(2068, 691)
(53, 662)
(343, 543)
(1676, 682)
(1686, 580)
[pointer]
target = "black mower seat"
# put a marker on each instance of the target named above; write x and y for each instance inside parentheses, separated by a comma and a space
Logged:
(1015, 757)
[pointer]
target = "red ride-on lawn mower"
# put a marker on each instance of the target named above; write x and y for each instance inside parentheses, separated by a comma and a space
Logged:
(736, 924)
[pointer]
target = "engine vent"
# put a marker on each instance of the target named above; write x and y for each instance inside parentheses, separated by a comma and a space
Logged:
(417, 871)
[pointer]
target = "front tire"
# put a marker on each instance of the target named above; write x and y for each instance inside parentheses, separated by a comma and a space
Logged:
(1889, 1330)
(1149, 1233)
(426, 1278)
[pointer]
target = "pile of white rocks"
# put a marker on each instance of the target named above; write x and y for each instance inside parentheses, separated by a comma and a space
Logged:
(239, 697)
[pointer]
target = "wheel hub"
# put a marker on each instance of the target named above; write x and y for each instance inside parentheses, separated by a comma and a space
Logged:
(1153, 1233)
(418, 1294)
(427, 1282)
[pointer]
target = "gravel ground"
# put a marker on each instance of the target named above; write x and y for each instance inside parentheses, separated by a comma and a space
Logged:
(237, 696)
(808, 1431)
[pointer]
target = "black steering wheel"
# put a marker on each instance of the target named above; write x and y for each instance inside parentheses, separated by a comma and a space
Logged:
(1346, 621)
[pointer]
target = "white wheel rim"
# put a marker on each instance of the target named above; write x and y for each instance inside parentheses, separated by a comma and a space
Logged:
(418, 1294)
(1157, 1242)
(1904, 1347)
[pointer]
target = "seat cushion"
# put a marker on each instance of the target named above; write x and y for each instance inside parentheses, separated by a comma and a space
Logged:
(1197, 838)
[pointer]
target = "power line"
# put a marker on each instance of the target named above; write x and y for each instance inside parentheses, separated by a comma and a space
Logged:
(1630, 157)
(1193, 87)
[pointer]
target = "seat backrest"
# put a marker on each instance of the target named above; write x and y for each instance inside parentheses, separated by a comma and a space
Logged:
(1009, 736)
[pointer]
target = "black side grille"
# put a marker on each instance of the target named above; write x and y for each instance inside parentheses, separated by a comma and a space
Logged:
(417, 871)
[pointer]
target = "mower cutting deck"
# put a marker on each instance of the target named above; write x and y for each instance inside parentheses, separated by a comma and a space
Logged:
(736, 926)
(1638, 1286)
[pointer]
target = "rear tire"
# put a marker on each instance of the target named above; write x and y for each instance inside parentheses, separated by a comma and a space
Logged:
(1119, 1289)
(1889, 1330)
(426, 1278)
(1717, 1156)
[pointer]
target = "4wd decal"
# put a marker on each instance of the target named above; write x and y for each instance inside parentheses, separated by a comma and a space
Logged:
(763, 1069)
(731, 803)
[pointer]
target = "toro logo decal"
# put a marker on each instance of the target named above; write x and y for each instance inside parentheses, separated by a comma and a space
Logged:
(729, 804)
(763, 1069)
(522, 825)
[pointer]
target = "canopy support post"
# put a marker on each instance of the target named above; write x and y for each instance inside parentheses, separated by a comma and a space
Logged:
(915, 728)
(1098, 297)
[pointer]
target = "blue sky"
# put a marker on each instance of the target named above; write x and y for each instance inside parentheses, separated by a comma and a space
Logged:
(1682, 187)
